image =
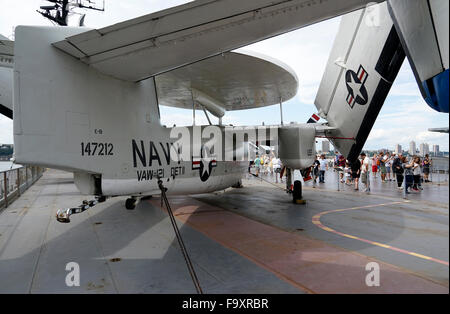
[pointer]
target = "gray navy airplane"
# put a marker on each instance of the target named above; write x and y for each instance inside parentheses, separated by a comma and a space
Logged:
(87, 100)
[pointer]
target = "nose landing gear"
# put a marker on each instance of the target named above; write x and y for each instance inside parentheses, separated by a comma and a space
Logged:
(297, 193)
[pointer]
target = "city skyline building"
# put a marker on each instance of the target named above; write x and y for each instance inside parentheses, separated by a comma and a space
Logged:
(325, 146)
(412, 148)
(436, 150)
(424, 149)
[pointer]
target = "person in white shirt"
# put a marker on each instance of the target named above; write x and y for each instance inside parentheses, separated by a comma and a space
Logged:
(348, 174)
(276, 167)
(365, 163)
(388, 162)
(322, 168)
(416, 173)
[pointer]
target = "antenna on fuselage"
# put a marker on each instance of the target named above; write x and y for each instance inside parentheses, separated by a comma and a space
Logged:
(60, 11)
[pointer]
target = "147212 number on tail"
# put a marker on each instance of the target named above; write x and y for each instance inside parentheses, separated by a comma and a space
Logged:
(96, 149)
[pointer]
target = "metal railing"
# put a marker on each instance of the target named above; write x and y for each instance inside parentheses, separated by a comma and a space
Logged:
(439, 170)
(16, 181)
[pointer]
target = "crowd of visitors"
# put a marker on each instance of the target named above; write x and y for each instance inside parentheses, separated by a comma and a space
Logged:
(267, 164)
(386, 166)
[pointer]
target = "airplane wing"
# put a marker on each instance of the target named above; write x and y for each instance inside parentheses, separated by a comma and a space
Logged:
(363, 64)
(426, 24)
(439, 130)
(155, 43)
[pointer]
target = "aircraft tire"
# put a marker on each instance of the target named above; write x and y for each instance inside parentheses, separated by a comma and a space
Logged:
(130, 203)
(297, 193)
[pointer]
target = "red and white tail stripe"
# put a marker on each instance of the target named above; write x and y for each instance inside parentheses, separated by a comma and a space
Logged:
(197, 161)
(362, 74)
(314, 118)
(351, 100)
(196, 164)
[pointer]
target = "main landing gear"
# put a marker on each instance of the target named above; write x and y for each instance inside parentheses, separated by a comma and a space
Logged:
(130, 203)
(238, 185)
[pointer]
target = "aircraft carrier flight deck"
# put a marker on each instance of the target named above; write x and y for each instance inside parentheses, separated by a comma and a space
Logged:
(242, 240)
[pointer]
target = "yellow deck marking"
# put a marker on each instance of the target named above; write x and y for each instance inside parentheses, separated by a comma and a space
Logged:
(316, 221)
(382, 245)
(420, 255)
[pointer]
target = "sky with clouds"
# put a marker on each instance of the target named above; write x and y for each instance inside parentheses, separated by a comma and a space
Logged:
(404, 117)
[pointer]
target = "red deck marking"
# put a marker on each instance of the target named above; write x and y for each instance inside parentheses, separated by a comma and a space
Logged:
(305, 263)
(316, 221)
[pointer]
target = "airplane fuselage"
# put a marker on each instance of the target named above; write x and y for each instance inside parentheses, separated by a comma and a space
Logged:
(188, 160)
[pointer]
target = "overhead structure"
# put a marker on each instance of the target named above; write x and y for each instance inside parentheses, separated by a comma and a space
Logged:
(155, 43)
(231, 81)
(423, 28)
(60, 11)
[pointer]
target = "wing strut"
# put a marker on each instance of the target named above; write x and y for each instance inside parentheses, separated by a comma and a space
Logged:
(281, 111)
(179, 238)
(206, 114)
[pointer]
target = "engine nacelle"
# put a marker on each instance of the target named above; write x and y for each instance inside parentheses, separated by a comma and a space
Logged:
(297, 146)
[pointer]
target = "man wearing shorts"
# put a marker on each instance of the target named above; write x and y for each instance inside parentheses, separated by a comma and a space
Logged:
(356, 170)
(365, 161)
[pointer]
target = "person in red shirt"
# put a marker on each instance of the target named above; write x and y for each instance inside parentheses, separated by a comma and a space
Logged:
(341, 165)
(374, 165)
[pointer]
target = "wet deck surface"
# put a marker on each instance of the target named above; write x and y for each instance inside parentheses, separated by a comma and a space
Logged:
(249, 240)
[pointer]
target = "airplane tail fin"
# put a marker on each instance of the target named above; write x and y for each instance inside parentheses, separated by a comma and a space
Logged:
(67, 115)
(365, 60)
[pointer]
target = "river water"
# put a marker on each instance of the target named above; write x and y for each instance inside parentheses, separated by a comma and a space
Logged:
(6, 165)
